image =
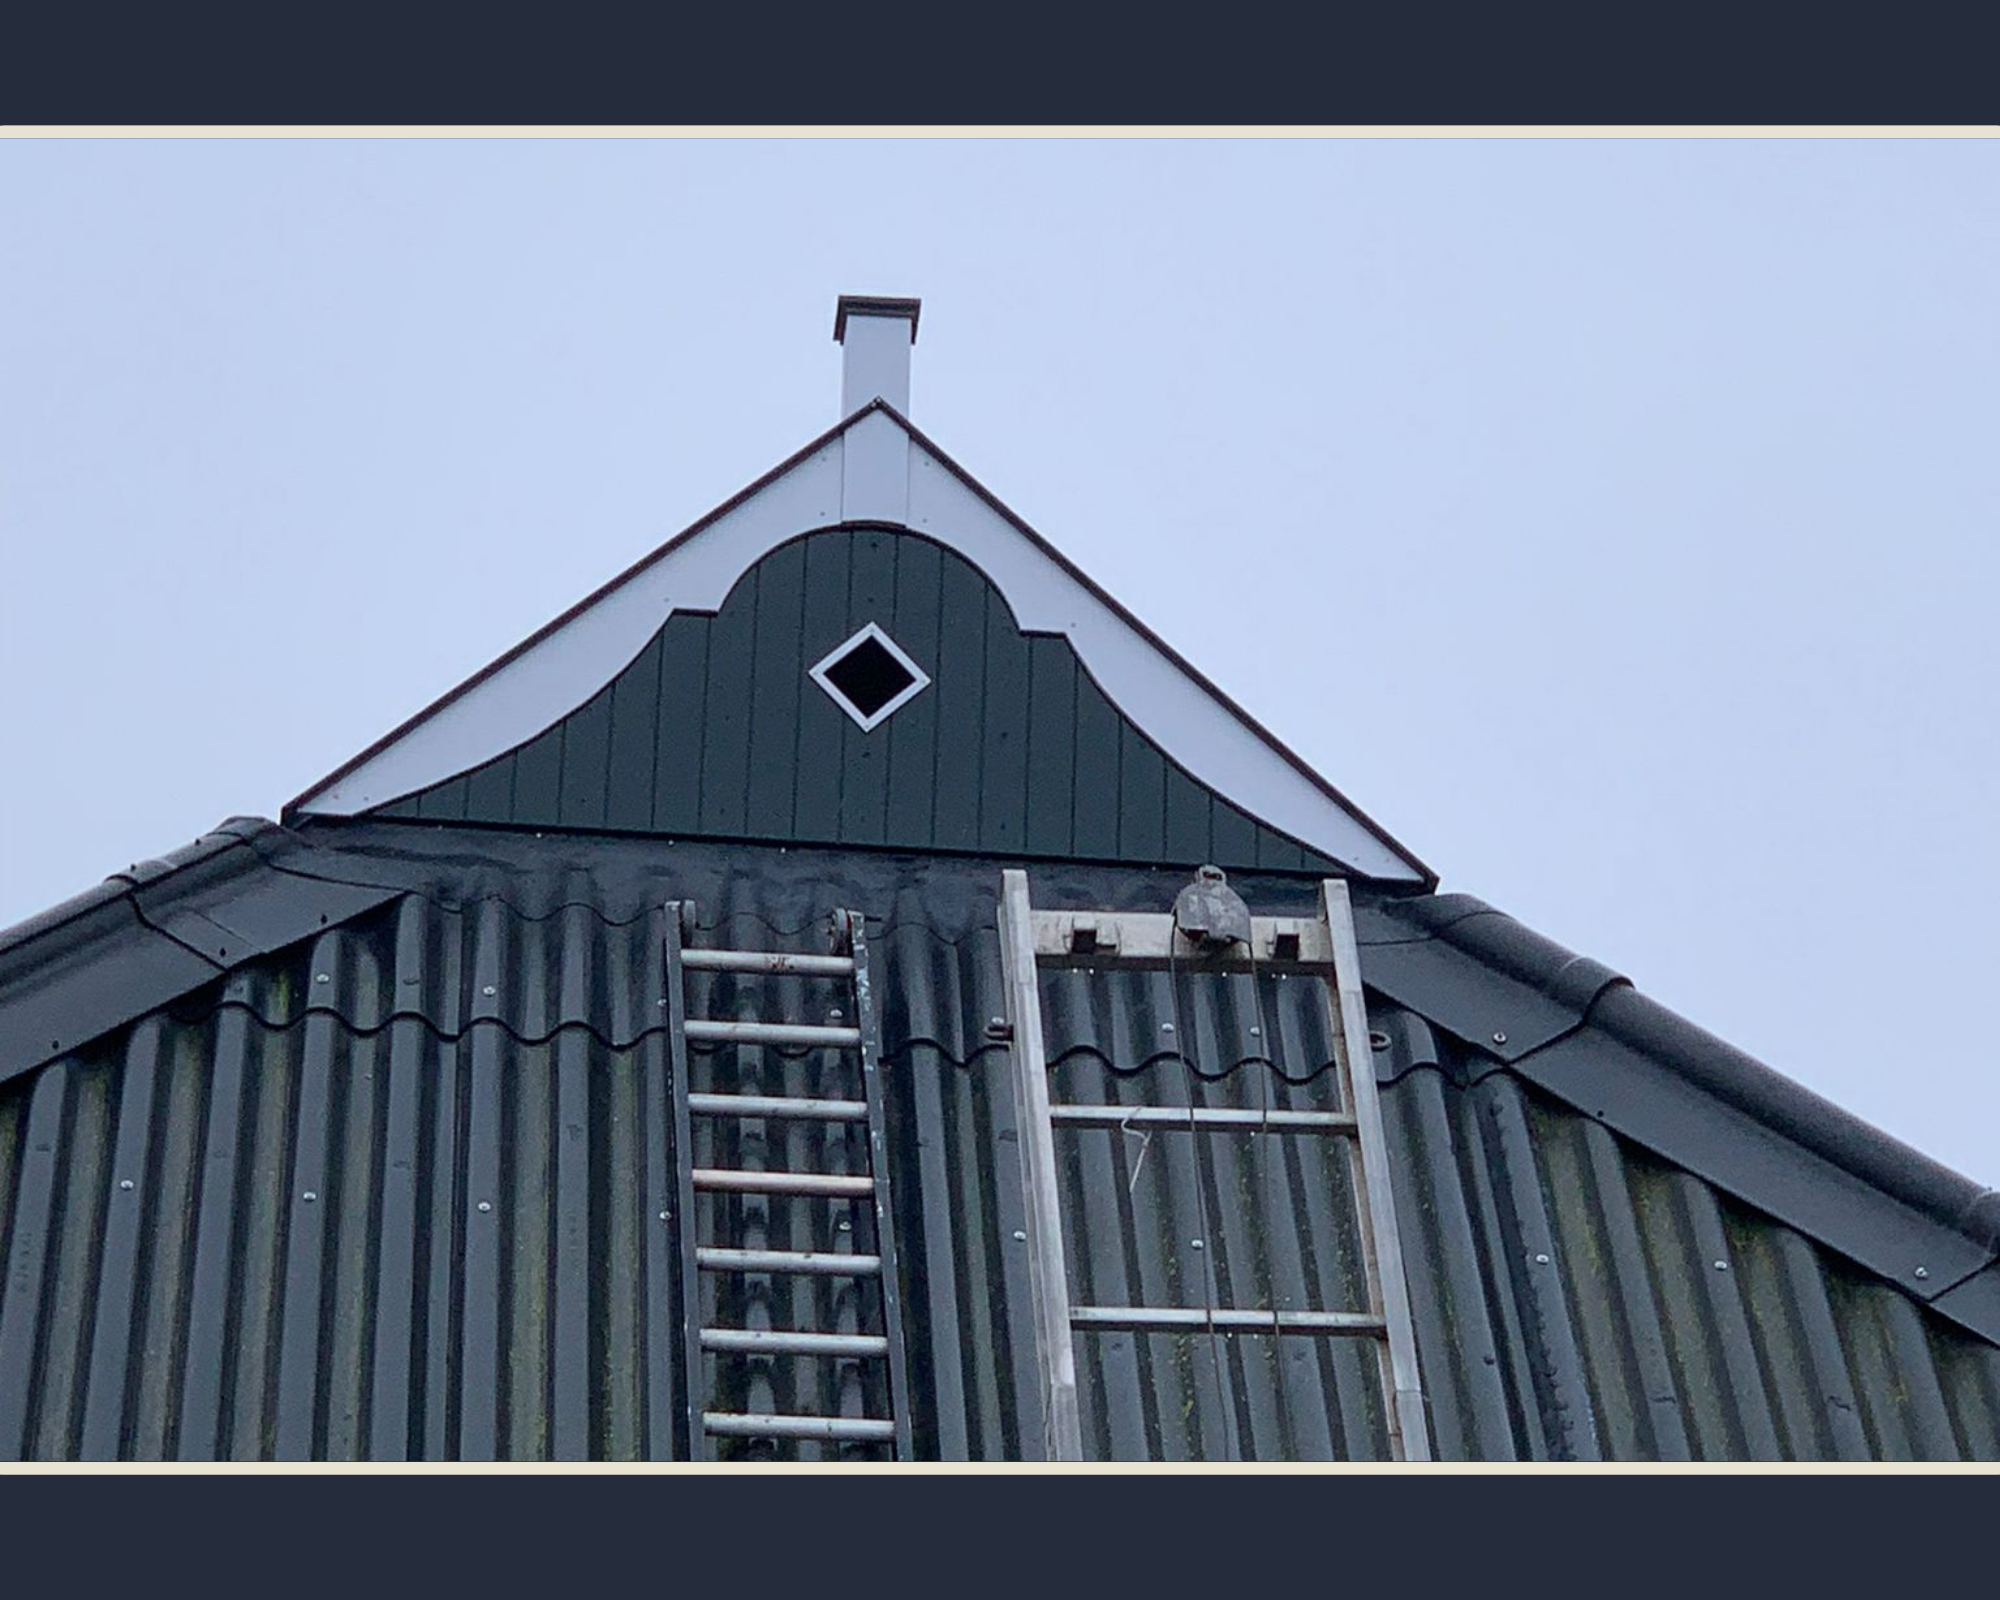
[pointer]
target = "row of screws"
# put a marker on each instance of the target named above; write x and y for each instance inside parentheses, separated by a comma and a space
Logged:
(1542, 1260)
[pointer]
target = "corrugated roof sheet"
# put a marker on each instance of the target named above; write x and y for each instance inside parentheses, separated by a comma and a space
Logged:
(249, 1223)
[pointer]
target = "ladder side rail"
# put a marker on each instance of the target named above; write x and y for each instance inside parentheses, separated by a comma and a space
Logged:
(699, 1446)
(888, 1280)
(1048, 1274)
(1409, 1433)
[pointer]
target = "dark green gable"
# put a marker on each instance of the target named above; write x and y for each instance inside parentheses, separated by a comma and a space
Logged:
(716, 730)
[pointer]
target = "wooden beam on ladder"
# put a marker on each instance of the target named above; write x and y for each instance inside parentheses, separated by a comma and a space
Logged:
(1048, 1274)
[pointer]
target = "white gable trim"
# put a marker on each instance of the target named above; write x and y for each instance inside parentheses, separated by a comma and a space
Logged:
(874, 470)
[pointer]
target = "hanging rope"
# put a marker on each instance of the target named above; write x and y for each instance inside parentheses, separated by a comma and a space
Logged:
(1189, 1078)
(1272, 1170)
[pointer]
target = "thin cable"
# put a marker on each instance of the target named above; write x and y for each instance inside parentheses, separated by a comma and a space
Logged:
(1231, 1436)
(1271, 1166)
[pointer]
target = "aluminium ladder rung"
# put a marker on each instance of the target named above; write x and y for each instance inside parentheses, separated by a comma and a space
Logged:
(765, 1425)
(729, 1180)
(873, 1267)
(788, 1342)
(778, 1105)
(779, 963)
(1149, 1319)
(822, 1263)
(1112, 1116)
(715, 1031)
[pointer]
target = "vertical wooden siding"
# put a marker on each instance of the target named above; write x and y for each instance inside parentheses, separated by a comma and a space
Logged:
(715, 730)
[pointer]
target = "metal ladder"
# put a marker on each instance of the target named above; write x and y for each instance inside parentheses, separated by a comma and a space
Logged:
(871, 1255)
(1323, 946)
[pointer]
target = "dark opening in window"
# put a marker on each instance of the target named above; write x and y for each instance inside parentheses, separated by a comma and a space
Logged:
(869, 676)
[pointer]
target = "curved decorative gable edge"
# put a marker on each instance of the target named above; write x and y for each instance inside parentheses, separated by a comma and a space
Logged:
(873, 468)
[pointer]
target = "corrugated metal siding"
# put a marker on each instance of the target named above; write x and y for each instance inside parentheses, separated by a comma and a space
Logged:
(715, 730)
(231, 1239)
(212, 1309)
(1579, 1300)
(1229, 1220)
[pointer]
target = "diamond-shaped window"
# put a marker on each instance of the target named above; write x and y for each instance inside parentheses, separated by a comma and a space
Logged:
(870, 677)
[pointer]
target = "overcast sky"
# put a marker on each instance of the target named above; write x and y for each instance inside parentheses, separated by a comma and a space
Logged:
(1613, 521)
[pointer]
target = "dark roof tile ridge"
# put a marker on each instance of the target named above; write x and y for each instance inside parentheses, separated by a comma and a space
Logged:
(117, 885)
(94, 898)
(1980, 1219)
(1558, 971)
(1810, 1119)
(1501, 942)
(1433, 914)
(229, 834)
(1611, 1002)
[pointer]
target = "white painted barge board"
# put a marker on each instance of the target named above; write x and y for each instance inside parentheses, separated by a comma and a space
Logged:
(873, 469)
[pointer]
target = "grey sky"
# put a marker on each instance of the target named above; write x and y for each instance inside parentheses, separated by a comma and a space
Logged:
(1613, 521)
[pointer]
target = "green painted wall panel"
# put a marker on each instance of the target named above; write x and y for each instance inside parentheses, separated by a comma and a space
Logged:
(538, 780)
(774, 692)
(681, 734)
(913, 731)
(822, 724)
(1051, 799)
(1094, 805)
(715, 728)
(1003, 787)
(635, 742)
(1188, 817)
(586, 762)
(1142, 797)
(1274, 850)
(489, 790)
(725, 767)
(447, 800)
(1232, 834)
(959, 687)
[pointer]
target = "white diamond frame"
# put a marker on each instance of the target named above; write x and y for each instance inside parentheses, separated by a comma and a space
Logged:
(919, 679)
